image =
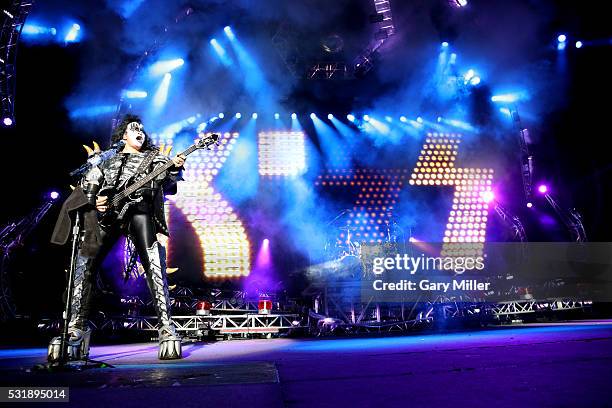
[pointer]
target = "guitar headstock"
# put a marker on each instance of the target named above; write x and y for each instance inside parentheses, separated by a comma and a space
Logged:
(207, 141)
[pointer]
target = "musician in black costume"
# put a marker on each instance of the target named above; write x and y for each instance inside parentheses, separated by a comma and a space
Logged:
(141, 222)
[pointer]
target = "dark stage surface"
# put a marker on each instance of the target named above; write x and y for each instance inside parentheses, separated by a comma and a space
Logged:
(544, 365)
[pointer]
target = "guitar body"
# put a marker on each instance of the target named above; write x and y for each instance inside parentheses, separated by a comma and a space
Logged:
(116, 212)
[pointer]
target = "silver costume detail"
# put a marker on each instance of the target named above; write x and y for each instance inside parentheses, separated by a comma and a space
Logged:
(78, 330)
(78, 314)
(169, 341)
(112, 168)
(77, 346)
(111, 174)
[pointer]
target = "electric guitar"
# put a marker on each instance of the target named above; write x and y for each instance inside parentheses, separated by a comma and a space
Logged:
(122, 198)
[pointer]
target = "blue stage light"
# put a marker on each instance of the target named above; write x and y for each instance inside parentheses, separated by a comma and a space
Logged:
(350, 117)
(445, 44)
(133, 94)
(475, 81)
(221, 115)
(366, 118)
(403, 119)
(439, 119)
(165, 66)
(389, 119)
(37, 30)
(161, 95)
(254, 115)
(220, 52)
(508, 98)
(238, 115)
(562, 38)
(73, 33)
(294, 116)
(579, 44)
(277, 116)
(561, 46)
(312, 116)
(228, 32)
(330, 116)
(92, 111)
(420, 119)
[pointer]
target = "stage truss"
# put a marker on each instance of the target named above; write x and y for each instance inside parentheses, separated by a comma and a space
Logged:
(14, 16)
(329, 317)
(333, 311)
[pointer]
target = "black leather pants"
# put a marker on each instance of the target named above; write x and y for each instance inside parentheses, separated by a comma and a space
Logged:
(141, 229)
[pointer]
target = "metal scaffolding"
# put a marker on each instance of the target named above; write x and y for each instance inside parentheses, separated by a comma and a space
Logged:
(329, 70)
(525, 155)
(14, 18)
(385, 28)
(512, 221)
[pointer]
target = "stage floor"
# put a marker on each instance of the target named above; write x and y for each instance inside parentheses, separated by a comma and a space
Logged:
(557, 365)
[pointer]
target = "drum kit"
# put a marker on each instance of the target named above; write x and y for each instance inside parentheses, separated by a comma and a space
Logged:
(344, 247)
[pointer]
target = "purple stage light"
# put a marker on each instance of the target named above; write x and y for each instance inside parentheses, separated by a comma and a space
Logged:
(7, 121)
(54, 195)
(529, 205)
(543, 188)
(458, 3)
(263, 263)
(488, 196)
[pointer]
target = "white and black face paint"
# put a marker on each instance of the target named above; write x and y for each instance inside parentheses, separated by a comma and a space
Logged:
(134, 135)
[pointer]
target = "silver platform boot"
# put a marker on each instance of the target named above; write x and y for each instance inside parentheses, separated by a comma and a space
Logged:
(169, 341)
(79, 333)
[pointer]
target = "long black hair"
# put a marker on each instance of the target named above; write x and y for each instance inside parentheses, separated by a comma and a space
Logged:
(120, 129)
